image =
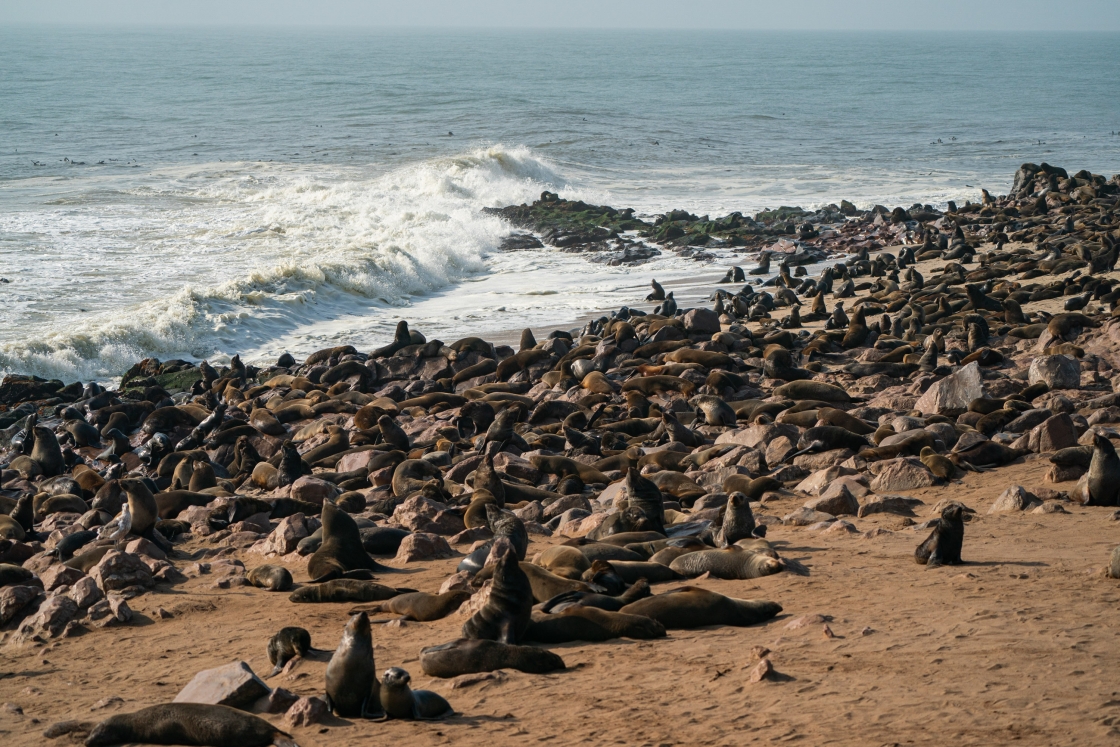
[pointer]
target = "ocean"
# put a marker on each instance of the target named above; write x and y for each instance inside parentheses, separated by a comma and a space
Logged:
(194, 193)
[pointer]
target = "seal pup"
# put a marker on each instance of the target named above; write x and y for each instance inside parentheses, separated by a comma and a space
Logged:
(341, 554)
(289, 643)
(398, 700)
(344, 590)
(469, 656)
(509, 607)
(943, 546)
(188, 723)
(271, 577)
(352, 687)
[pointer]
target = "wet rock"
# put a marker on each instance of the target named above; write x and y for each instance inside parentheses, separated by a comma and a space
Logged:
(233, 685)
(423, 546)
(119, 570)
(1056, 371)
(905, 473)
(1015, 498)
(952, 395)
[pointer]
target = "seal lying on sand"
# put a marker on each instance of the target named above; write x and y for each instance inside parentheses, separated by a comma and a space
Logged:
(188, 724)
(693, 607)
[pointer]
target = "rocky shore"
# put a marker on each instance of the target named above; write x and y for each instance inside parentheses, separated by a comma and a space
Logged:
(938, 345)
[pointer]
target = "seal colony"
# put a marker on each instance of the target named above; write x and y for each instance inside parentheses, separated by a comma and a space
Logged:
(595, 481)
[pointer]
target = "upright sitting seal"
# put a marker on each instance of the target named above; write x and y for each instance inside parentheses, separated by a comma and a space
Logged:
(188, 723)
(943, 546)
(509, 608)
(341, 554)
(352, 688)
(1104, 473)
(398, 700)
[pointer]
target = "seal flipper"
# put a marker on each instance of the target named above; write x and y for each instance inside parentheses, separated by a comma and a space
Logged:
(330, 575)
(565, 596)
(360, 574)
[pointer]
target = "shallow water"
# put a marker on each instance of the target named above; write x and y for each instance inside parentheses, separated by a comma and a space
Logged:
(195, 193)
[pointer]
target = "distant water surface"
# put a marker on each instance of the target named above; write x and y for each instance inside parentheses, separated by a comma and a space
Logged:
(195, 193)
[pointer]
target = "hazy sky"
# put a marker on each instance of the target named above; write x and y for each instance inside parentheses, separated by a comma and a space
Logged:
(1009, 15)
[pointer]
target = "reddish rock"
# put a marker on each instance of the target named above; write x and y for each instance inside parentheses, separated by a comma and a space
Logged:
(59, 575)
(146, 547)
(119, 570)
(285, 536)
(837, 501)
(423, 546)
(232, 685)
(1057, 432)
(84, 592)
(51, 619)
(14, 599)
(306, 711)
(761, 671)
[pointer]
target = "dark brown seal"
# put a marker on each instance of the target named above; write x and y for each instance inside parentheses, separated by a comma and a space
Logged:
(509, 608)
(693, 607)
(943, 546)
(188, 724)
(352, 687)
(468, 656)
(341, 553)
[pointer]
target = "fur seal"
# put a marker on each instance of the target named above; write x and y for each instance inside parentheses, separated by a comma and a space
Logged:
(584, 623)
(507, 524)
(693, 607)
(286, 645)
(141, 505)
(188, 724)
(468, 656)
(271, 577)
(943, 546)
(398, 700)
(729, 563)
(738, 521)
(341, 553)
(352, 687)
(564, 561)
(344, 590)
(509, 608)
(1104, 473)
(13, 575)
(638, 590)
(631, 571)
(46, 452)
(422, 606)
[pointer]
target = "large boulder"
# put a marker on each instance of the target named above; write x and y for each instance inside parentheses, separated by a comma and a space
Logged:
(119, 570)
(314, 490)
(701, 321)
(1056, 432)
(902, 474)
(1056, 371)
(51, 619)
(233, 685)
(1015, 498)
(285, 536)
(952, 395)
(13, 600)
(423, 546)
(837, 502)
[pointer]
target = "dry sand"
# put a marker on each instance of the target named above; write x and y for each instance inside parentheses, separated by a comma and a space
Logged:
(1020, 644)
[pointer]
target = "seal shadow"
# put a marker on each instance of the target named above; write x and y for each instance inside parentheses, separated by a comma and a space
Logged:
(994, 563)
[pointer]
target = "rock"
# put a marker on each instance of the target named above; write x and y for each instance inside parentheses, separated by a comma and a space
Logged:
(710, 500)
(119, 570)
(566, 503)
(805, 621)
(110, 701)
(146, 547)
(119, 608)
(1056, 371)
(1050, 507)
(84, 592)
(701, 321)
(1113, 570)
(762, 670)
(459, 472)
(1056, 432)
(952, 395)
(281, 700)
(533, 511)
(232, 685)
(823, 459)
(13, 600)
(840, 527)
(837, 501)
(804, 517)
(306, 711)
(285, 536)
(417, 512)
(778, 449)
(349, 463)
(50, 620)
(423, 546)
(446, 523)
(1015, 498)
(471, 535)
(59, 575)
(906, 473)
(458, 581)
(757, 435)
(888, 504)
(314, 490)
(517, 467)
(1027, 421)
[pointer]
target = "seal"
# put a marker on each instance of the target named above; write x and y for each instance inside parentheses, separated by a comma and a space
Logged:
(509, 607)
(344, 590)
(1104, 473)
(638, 590)
(943, 546)
(564, 561)
(271, 577)
(352, 687)
(469, 656)
(738, 521)
(286, 645)
(46, 452)
(631, 571)
(728, 563)
(422, 606)
(583, 623)
(141, 505)
(13, 575)
(341, 553)
(693, 607)
(188, 723)
(398, 700)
